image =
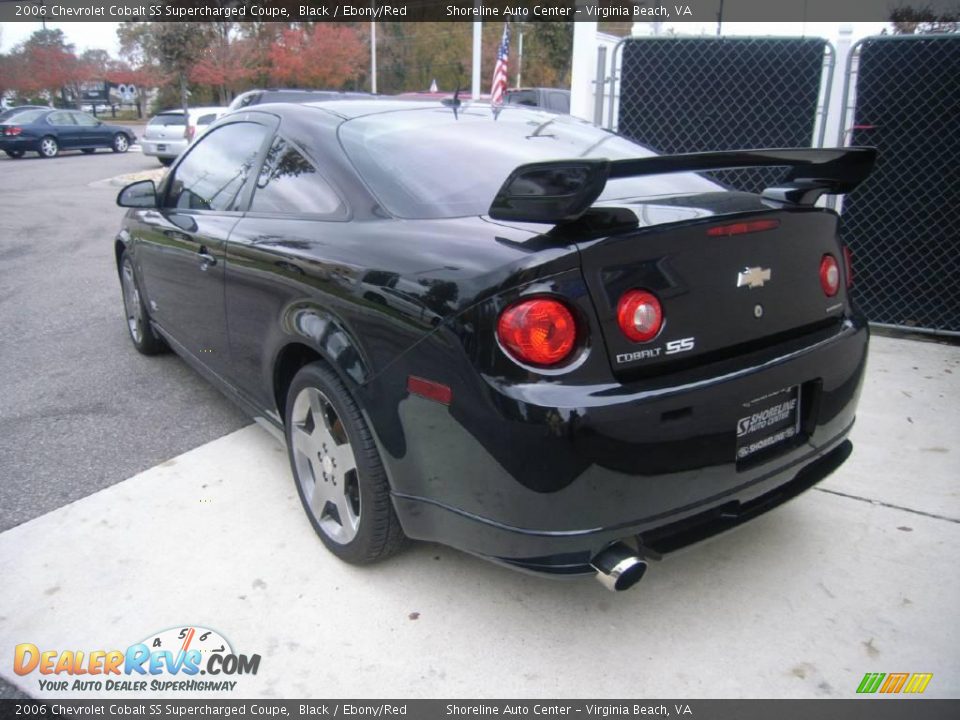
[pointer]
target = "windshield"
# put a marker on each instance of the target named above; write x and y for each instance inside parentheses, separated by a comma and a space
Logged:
(428, 163)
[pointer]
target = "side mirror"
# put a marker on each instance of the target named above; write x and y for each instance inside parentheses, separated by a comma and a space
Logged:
(141, 194)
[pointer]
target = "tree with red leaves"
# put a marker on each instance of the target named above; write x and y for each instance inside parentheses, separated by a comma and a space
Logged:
(326, 55)
(227, 62)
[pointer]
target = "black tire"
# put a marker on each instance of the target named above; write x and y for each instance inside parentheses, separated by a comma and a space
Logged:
(121, 143)
(88, 151)
(15, 154)
(166, 162)
(49, 147)
(378, 534)
(141, 332)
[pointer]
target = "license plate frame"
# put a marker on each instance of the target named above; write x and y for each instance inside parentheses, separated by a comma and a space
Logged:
(768, 423)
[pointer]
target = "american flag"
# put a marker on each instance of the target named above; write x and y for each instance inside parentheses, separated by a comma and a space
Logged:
(500, 70)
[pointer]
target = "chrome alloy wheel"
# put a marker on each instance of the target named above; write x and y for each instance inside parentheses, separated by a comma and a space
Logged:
(325, 465)
(48, 147)
(120, 143)
(131, 302)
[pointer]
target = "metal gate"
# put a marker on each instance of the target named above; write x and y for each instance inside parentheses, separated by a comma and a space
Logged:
(692, 94)
(902, 95)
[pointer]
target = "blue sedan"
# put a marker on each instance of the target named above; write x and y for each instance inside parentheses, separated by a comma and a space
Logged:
(48, 131)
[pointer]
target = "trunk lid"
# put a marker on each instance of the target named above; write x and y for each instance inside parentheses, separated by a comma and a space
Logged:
(721, 294)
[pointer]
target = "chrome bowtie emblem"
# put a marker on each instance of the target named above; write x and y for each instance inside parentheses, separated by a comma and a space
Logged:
(753, 277)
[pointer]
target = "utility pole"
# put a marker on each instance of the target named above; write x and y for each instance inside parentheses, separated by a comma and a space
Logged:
(719, 18)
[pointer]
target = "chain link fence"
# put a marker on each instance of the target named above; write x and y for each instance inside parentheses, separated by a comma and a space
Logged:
(695, 94)
(903, 224)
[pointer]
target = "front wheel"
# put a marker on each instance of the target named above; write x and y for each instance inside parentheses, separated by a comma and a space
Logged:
(49, 147)
(143, 336)
(121, 143)
(337, 469)
(15, 154)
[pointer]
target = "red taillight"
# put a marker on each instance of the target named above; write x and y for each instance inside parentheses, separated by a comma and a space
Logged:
(539, 331)
(848, 265)
(742, 228)
(829, 275)
(639, 315)
(12, 131)
(190, 131)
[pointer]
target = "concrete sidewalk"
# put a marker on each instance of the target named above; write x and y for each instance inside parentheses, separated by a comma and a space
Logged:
(859, 575)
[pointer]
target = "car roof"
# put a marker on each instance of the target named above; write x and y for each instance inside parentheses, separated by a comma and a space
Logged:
(179, 111)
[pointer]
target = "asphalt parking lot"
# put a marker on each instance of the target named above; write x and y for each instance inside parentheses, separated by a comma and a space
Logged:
(136, 498)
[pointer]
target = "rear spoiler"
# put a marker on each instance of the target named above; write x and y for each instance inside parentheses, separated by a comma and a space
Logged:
(562, 190)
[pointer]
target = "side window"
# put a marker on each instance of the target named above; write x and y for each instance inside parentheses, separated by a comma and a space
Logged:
(212, 174)
(60, 118)
(522, 97)
(84, 119)
(289, 183)
(558, 101)
(206, 119)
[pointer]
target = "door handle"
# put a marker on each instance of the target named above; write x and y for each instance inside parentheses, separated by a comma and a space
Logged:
(206, 259)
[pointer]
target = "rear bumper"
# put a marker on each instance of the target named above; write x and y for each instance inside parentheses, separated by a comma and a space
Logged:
(171, 149)
(543, 477)
(26, 144)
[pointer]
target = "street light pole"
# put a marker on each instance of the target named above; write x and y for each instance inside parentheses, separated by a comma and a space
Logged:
(373, 56)
(519, 52)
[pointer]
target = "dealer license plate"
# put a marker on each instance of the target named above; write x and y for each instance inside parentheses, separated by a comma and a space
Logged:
(768, 421)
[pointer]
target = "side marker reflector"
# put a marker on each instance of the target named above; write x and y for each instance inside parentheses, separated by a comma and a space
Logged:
(435, 391)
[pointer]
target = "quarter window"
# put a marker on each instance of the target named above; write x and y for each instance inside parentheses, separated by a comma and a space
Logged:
(289, 183)
(211, 176)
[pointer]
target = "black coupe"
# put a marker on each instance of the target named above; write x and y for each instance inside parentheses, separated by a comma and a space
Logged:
(46, 132)
(506, 330)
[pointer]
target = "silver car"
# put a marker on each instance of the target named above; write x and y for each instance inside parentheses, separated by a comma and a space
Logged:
(168, 134)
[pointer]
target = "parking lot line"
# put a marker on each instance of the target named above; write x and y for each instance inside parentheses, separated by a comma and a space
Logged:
(800, 602)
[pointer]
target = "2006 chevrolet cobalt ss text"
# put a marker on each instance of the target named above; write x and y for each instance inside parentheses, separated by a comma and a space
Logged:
(505, 330)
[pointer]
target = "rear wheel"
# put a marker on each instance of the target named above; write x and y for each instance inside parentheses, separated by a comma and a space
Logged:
(15, 154)
(121, 143)
(337, 469)
(49, 147)
(143, 336)
(166, 162)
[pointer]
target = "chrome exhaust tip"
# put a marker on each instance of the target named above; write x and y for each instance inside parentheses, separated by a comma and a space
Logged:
(618, 567)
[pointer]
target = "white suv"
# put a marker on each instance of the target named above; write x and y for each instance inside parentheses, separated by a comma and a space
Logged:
(167, 135)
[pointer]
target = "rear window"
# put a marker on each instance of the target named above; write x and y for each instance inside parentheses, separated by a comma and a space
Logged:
(24, 116)
(168, 119)
(431, 164)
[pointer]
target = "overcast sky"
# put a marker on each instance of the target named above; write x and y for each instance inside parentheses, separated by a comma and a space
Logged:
(86, 35)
